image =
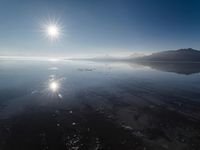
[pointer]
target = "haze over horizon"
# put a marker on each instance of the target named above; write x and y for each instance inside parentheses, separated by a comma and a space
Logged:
(92, 28)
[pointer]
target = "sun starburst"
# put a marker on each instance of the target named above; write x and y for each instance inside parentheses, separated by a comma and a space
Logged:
(52, 29)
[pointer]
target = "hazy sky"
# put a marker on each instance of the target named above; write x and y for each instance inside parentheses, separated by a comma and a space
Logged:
(99, 26)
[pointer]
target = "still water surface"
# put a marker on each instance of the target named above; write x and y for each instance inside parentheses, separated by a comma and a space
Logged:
(86, 105)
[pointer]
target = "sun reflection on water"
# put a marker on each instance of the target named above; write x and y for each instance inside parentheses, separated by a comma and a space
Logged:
(53, 86)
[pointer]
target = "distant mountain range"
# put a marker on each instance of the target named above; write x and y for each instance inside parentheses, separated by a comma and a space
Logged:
(181, 55)
(182, 61)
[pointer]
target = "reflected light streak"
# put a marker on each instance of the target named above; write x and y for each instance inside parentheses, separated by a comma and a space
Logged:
(53, 59)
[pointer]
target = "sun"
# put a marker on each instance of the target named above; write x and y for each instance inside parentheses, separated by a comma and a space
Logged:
(53, 31)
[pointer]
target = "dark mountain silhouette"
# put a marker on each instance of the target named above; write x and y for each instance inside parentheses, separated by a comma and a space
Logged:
(186, 68)
(181, 55)
(182, 61)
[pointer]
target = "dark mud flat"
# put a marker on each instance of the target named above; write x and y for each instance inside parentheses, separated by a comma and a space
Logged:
(111, 107)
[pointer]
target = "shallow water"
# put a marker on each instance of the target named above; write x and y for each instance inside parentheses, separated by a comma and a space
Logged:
(99, 105)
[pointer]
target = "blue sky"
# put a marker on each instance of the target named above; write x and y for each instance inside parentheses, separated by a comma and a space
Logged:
(93, 27)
